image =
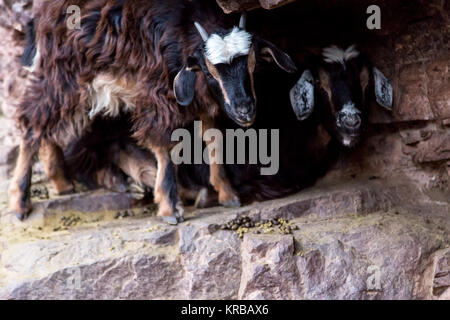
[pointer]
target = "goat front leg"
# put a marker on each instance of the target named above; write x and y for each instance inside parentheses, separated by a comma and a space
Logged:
(19, 190)
(166, 193)
(52, 157)
(218, 177)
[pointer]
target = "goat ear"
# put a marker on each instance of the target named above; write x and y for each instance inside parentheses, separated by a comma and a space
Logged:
(302, 96)
(270, 52)
(184, 83)
(383, 90)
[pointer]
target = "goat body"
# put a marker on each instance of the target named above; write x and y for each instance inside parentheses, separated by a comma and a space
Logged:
(145, 58)
(124, 58)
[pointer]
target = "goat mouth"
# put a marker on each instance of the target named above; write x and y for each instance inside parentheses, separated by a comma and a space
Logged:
(349, 140)
(244, 120)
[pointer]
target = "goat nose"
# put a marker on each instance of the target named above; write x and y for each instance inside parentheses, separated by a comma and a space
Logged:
(244, 107)
(243, 110)
(352, 121)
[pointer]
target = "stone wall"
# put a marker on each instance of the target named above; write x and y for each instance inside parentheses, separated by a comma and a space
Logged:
(13, 17)
(229, 6)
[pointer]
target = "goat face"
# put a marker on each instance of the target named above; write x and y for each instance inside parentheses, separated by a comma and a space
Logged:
(228, 60)
(341, 88)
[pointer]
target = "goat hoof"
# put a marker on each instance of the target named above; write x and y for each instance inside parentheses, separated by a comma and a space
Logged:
(232, 203)
(67, 192)
(22, 209)
(170, 220)
(21, 216)
(179, 213)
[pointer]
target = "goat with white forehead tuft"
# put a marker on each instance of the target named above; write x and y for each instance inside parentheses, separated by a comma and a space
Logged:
(229, 57)
(341, 82)
(335, 54)
(225, 49)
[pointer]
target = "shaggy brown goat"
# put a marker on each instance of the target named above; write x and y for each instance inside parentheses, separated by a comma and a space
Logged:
(141, 57)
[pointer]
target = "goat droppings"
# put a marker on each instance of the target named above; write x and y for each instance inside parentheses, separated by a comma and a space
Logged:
(245, 224)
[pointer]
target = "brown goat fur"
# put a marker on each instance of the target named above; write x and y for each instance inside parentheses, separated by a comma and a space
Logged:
(124, 58)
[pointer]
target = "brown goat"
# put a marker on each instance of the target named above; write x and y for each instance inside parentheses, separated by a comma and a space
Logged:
(140, 57)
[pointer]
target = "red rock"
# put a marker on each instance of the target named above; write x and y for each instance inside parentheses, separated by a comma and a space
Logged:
(271, 4)
(229, 6)
(332, 255)
(412, 101)
(439, 86)
(435, 149)
(270, 271)
(410, 137)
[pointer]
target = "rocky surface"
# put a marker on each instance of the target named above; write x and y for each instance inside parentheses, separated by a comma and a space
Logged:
(354, 240)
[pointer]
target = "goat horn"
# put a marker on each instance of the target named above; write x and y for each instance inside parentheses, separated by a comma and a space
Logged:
(243, 20)
(202, 31)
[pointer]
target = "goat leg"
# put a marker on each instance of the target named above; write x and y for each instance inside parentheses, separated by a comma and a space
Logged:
(19, 190)
(53, 159)
(166, 193)
(219, 179)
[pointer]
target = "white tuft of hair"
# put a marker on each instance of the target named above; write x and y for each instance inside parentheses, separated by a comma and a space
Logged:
(349, 109)
(335, 54)
(224, 50)
(347, 141)
(110, 95)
